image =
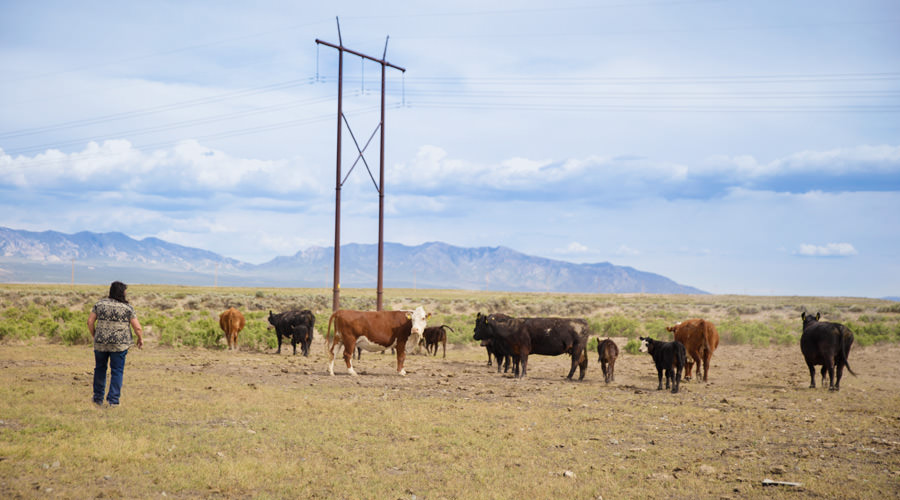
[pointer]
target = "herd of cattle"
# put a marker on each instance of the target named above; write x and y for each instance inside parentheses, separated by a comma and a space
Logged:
(510, 340)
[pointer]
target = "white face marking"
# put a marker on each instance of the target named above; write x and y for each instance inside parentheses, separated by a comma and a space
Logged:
(418, 321)
(643, 346)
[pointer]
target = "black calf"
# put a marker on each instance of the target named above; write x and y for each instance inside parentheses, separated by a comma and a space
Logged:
(666, 356)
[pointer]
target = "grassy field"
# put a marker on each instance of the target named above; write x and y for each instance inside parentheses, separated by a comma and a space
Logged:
(197, 421)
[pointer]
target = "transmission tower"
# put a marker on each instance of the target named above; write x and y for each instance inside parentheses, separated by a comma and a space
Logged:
(379, 186)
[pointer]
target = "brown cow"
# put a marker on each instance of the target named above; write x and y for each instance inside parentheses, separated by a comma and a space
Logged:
(385, 328)
(700, 340)
(607, 352)
(232, 322)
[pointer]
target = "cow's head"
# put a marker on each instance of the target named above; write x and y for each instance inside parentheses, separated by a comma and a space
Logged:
(646, 344)
(808, 318)
(418, 317)
(480, 327)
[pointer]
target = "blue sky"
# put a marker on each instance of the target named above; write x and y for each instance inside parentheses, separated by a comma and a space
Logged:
(738, 147)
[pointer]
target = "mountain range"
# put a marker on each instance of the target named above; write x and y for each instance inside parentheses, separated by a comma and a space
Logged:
(87, 257)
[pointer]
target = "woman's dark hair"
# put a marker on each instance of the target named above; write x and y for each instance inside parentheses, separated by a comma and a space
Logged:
(117, 291)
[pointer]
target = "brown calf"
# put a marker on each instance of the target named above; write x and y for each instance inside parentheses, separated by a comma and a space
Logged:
(231, 322)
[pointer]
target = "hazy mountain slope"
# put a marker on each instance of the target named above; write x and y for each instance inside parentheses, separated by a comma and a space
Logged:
(51, 256)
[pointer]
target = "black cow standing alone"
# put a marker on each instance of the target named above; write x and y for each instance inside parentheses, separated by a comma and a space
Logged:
(827, 344)
(607, 352)
(666, 356)
(546, 336)
(296, 325)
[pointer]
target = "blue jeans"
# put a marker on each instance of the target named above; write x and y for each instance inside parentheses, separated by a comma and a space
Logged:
(116, 362)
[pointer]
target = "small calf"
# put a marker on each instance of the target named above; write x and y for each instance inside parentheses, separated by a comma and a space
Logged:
(666, 356)
(433, 336)
(607, 352)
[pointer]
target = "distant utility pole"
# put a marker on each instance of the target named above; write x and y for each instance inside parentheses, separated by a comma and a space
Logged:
(336, 302)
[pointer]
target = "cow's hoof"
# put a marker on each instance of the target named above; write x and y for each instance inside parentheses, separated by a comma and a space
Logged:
(402, 372)
(352, 372)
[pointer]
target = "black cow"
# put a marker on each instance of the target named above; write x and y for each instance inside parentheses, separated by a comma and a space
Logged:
(607, 352)
(433, 336)
(827, 344)
(296, 325)
(544, 336)
(666, 356)
(499, 350)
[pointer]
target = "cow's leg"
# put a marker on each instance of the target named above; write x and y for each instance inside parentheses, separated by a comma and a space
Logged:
(349, 346)
(707, 357)
(331, 345)
(278, 336)
(523, 358)
(689, 366)
(401, 357)
(445, 349)
(605, 368)
(676, 383)
(840, 373)
(830, 366)
(612, 370)
(582, 362)
(812, 376)
(574, 365)
(659, 375)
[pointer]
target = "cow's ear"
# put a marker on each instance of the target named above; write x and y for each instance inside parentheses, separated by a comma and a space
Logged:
(428, 315)
(803, 316)
(408, 315)
(818, 315)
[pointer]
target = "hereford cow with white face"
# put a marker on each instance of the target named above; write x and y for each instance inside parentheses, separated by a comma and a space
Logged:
(384, 328)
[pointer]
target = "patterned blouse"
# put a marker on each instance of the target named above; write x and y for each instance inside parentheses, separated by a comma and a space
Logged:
(112, 332)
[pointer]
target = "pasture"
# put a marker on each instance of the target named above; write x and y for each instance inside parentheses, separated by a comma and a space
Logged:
(198, 421)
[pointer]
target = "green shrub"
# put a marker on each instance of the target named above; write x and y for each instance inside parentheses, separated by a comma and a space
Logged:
(74, 334)
(633, 346)
(618, 326)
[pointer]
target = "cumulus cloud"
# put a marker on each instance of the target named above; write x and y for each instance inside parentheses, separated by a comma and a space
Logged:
(862, 168)
(188, 167)
(827, 250)
(433, 170)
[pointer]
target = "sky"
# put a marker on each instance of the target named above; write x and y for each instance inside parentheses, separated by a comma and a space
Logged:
(737, 147)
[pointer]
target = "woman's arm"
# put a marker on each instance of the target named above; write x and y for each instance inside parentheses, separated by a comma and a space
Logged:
(92, 319)
(136, 326)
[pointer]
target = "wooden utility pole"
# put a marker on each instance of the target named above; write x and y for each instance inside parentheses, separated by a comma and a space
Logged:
(336, 300)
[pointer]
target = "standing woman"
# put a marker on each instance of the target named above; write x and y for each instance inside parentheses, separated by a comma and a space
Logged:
(110, 323)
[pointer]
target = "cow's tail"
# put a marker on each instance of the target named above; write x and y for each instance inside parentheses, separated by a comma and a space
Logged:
(846, 342)
(707, 327)
(329, 339)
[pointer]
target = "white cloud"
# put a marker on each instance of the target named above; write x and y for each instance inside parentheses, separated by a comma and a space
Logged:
(865, 158)
(828, 250)
(187, 167)
(625, 250)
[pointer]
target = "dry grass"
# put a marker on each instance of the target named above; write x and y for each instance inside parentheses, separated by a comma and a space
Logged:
(201, 423)
(204, 423)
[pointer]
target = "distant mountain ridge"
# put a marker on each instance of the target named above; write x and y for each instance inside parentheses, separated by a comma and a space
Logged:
(88, 257)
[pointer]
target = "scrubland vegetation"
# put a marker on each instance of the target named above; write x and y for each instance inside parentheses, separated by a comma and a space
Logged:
(181, 316)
